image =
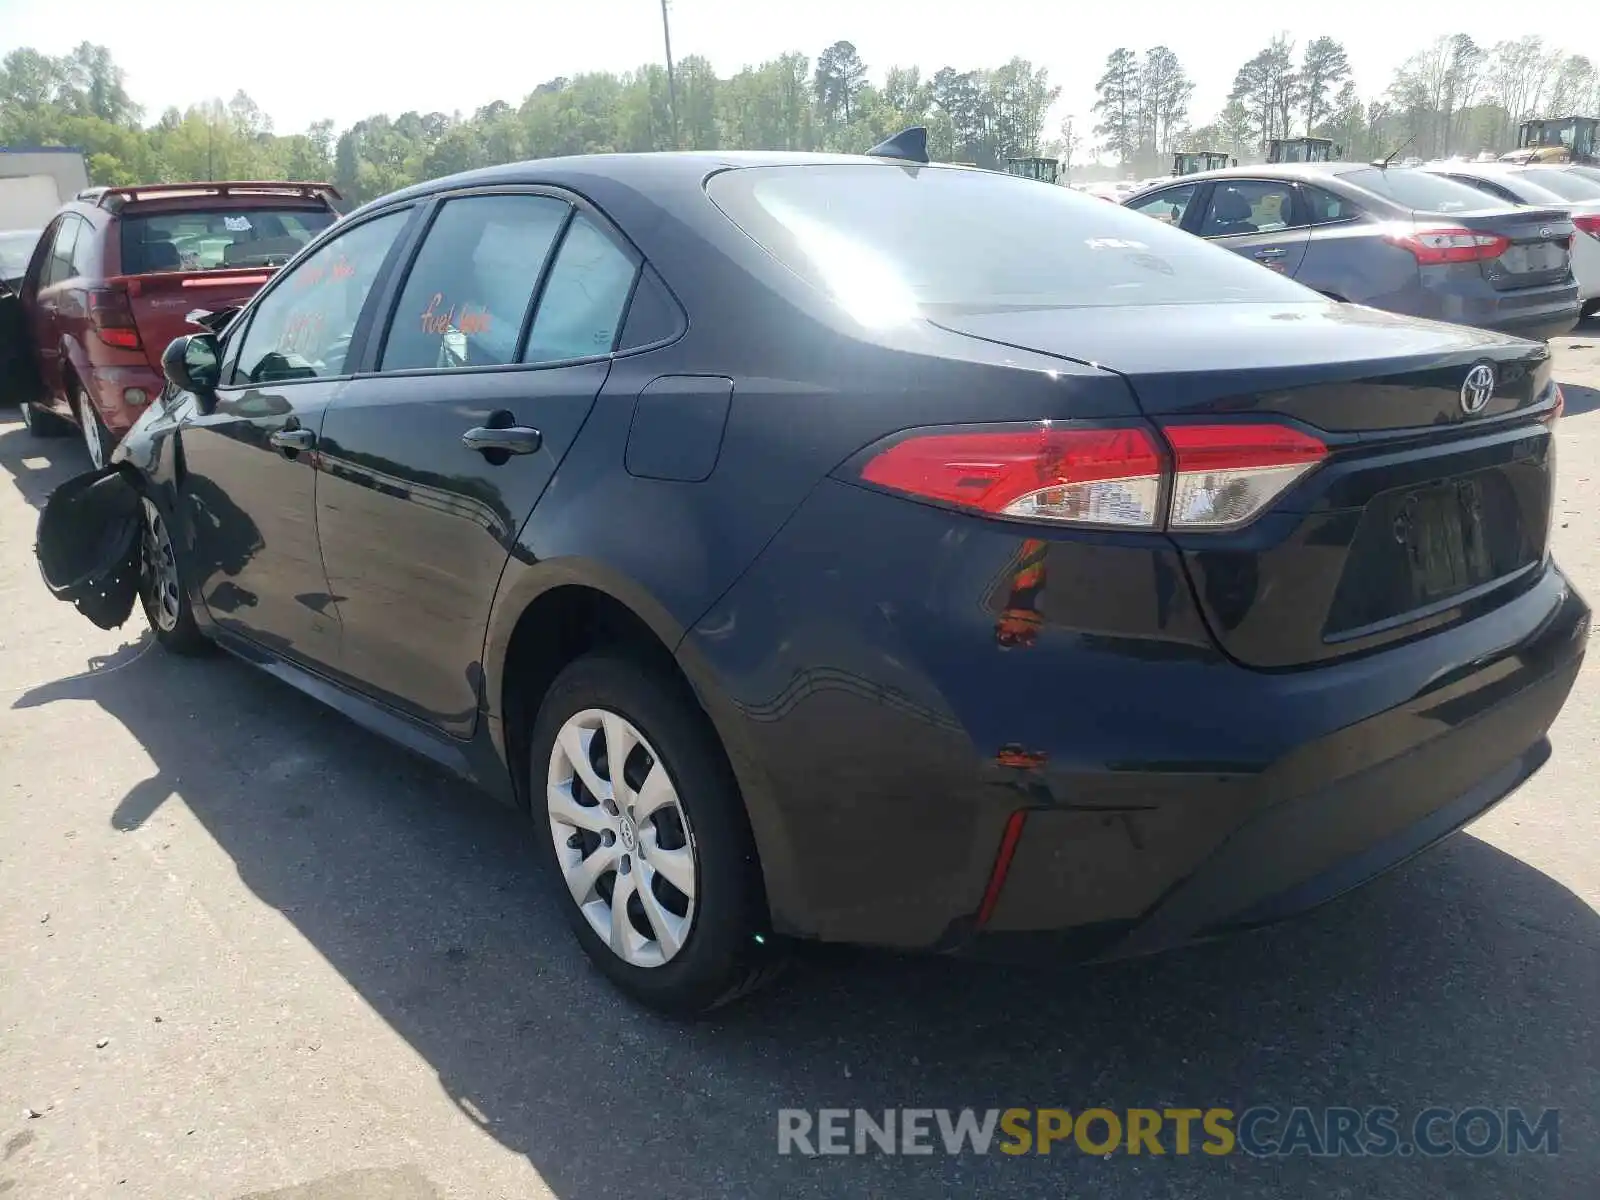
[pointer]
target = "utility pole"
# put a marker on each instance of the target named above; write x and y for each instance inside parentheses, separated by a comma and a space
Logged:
(672, 83)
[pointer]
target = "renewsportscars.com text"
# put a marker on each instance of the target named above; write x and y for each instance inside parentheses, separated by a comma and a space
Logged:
(1261, 1131)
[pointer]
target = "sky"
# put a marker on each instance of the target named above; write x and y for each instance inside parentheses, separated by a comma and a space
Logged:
(303, 60)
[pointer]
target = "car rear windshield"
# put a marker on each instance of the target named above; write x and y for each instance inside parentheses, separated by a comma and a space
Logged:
(894, 240)
(208, 239)
(1566, 184)
(1419, 190)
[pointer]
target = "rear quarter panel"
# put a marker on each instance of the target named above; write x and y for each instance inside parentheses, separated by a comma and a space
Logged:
(1351, 261)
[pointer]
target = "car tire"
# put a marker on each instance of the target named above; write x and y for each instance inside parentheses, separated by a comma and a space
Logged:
(97, 438)
(162, 591)
(680, 804)
(43, 423)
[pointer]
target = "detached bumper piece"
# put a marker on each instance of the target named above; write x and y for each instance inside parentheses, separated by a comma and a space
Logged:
(88, 545)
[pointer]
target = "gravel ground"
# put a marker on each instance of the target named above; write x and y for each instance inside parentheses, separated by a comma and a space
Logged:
(249, 950)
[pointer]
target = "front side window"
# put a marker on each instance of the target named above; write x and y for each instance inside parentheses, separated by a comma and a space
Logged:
(212, 239)
(890, 243)
(581, 308)
(1247, 206)
(1167, 205)
(467, 296)
(302, 328)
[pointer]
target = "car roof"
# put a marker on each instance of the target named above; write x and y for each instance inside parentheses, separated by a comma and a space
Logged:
(665, 168)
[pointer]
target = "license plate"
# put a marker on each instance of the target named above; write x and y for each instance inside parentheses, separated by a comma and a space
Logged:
(1535, 256)
(1443, 535)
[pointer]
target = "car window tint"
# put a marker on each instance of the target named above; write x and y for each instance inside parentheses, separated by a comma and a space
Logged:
(468, 292)
(891, 244)
(653, 315)
(1325, 208)
(302, 328)
(583, 299)
(1168, 205)
(1418, 190)
(1245, 206)
(1566, 184)
(207, 239)
(82, 250)
(59, 265)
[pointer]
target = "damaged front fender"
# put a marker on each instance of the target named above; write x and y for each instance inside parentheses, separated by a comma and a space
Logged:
(88, 544)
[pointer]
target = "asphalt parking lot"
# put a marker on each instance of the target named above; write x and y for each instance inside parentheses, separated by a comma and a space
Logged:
(247, 950)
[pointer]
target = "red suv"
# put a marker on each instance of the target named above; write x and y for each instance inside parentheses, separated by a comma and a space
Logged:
(117, 273)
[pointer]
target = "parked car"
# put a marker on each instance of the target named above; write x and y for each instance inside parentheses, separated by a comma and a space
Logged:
(118, 270)
(817, 548)
(1394, 238)
(1570, 188)
(16, 248)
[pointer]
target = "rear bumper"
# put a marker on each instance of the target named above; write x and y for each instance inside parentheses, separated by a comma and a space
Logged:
(1420, 772)
(887, 721)
(1539, 327)
(116, 390)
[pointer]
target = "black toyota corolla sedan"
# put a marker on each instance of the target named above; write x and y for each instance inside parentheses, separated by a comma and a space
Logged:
(855, 549)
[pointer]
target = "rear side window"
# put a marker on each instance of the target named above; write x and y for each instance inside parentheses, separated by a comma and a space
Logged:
(1248, 206)
(1418, 190)
(1168, 205)
(1324, 208)
(59, 265)
(890, 243)
(580, 311)
(467, 296)
(1566, 184)
(207, 239)
(302, 328)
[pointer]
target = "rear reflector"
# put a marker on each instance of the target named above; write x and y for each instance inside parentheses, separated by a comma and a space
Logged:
(1218, 476)
(1226, 474)
(111, 315)
(1049, 473)
(1002, 865)
(1436, 244)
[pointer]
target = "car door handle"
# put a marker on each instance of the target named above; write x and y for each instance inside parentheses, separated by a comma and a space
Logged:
(1271, 253)
(293, 440)
(514, 439)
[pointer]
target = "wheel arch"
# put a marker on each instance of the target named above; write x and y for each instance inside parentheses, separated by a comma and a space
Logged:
(563, 608)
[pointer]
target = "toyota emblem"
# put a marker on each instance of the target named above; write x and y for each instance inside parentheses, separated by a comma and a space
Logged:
(1545, 231)
(1477, 389)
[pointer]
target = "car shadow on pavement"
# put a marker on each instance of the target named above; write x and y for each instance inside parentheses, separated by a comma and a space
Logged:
(1580, 398)
(1465, 978)
(36, 465)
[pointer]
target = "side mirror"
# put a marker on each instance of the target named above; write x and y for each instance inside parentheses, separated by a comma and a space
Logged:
(193, 363)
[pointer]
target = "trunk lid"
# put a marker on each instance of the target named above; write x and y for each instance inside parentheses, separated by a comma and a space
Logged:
(161, 302)
(1430, 506)
(1539, 245)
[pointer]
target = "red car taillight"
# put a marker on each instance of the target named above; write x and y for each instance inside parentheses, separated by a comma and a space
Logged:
(1437, 244)
(1589, 224)
(1208, 477)
(111, 314)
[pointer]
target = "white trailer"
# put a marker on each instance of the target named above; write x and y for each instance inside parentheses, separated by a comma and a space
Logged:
(37, 180)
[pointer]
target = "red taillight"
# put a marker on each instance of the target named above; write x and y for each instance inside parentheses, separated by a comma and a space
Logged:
(1219, 475)
(1589, 224)
(1226, 474)
(1083, 476)
(111, 314)
(1435, 244)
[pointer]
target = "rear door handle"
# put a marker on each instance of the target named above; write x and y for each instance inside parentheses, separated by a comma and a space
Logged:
(292, 441)
(515, 439)
(1271, 253)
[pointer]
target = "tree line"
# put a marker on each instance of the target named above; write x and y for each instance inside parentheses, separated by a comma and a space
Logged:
(789, 103)
(1452, 97)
